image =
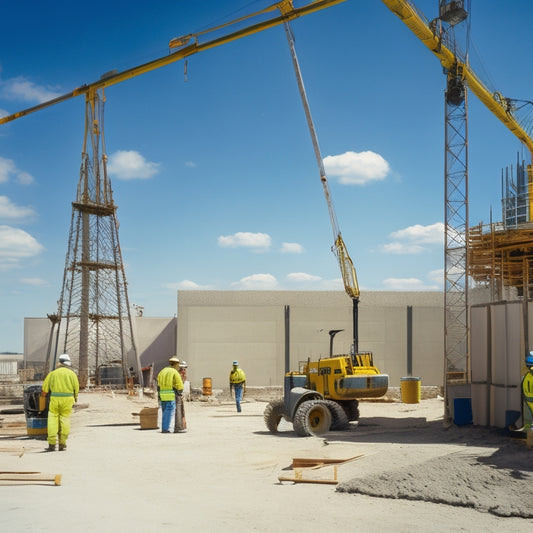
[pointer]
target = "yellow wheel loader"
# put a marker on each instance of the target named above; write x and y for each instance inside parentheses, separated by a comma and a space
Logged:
(324, 395)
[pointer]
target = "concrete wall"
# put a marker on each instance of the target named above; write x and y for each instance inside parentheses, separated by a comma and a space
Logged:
(155, 340)
(498, 344)
(216, 327)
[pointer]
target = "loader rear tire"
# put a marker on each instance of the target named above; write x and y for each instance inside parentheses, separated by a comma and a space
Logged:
(339, 419)
(273, 414)
(351, 408)
(312, 418)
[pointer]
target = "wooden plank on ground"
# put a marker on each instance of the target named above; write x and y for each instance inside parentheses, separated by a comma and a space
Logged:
(303, 462)
(30, 477)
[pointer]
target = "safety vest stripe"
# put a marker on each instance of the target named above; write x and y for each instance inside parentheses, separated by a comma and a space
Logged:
(171, 391)
(61, 394)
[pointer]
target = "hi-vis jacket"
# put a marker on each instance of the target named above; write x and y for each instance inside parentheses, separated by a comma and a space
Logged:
(62, 382)
(169, 380)
(527, 389)
(237, 376)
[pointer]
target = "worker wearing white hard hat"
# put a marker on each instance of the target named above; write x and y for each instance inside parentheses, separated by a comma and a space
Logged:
(62, 386)
(180, 423)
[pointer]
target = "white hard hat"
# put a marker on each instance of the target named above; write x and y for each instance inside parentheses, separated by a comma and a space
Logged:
(235, 363)
(174, 359)
(183, 364)
(64, 359)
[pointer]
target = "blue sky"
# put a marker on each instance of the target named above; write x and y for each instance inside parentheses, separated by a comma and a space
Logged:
(214, 173)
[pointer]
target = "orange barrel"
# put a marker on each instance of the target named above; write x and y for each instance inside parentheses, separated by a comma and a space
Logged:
(410, 390)
(207, 390)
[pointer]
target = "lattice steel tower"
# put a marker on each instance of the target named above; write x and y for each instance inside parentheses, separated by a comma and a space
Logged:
(456, 227)
(94, 320)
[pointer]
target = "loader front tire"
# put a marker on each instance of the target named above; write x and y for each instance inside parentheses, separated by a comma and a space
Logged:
(312, 418)
(273, 414)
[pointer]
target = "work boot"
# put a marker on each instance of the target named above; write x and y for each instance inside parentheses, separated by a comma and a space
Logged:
(62, 447)
(51, 448)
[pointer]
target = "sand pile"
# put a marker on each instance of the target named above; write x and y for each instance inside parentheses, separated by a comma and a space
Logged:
(501, 483)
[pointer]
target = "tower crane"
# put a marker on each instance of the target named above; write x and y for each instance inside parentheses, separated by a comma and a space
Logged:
(460, 77)
(94, 300)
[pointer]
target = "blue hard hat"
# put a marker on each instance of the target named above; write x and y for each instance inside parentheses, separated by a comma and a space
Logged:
(529, 359)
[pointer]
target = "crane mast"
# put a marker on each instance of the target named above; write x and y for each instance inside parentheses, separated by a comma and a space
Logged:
(349, 276)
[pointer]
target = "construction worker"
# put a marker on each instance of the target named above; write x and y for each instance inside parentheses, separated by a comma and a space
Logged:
(527, 391)
(169, 384)
(63, 387)
(180, 424)
(237, 381)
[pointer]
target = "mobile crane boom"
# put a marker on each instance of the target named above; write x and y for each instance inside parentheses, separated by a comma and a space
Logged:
(184, 49)
(349, 276)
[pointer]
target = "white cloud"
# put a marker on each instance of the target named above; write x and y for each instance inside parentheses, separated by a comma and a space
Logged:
(22, 89)
(356, 168)
(190, 164)
(35, 282)
(411, 240)
(245, 240)
(432, 234)
(263, 282)
(187, 285)
(130, 165)
(401, 248)
(437, 276)
(15, 245)
(302, 277)
(332, 284)
(9, 170)
(407, 284)
(4, 113)
(10, 211)
(291, 248)
(24, 178)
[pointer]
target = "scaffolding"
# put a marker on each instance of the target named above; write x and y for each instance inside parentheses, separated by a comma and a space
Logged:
(93, 320)
(500, 255)
(501, 259)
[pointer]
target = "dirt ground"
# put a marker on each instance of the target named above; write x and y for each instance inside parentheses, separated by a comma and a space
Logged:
(408, 473)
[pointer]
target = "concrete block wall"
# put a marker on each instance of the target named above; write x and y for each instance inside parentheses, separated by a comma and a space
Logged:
(216, 327)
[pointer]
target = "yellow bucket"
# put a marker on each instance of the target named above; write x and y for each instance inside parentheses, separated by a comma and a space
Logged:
(410, 390)
(207, 390)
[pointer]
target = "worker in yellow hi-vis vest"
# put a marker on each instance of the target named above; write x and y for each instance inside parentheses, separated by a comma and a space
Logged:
(169, 384)
(237, 381)
(63, 387)
(527, 392)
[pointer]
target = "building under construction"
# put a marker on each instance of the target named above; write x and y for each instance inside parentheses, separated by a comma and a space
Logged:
(501, 254)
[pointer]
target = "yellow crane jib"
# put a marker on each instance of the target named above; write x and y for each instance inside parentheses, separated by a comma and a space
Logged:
(184, 48)
(497, 105)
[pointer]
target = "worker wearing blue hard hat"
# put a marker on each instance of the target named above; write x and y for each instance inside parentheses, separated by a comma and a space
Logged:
(527, 391)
